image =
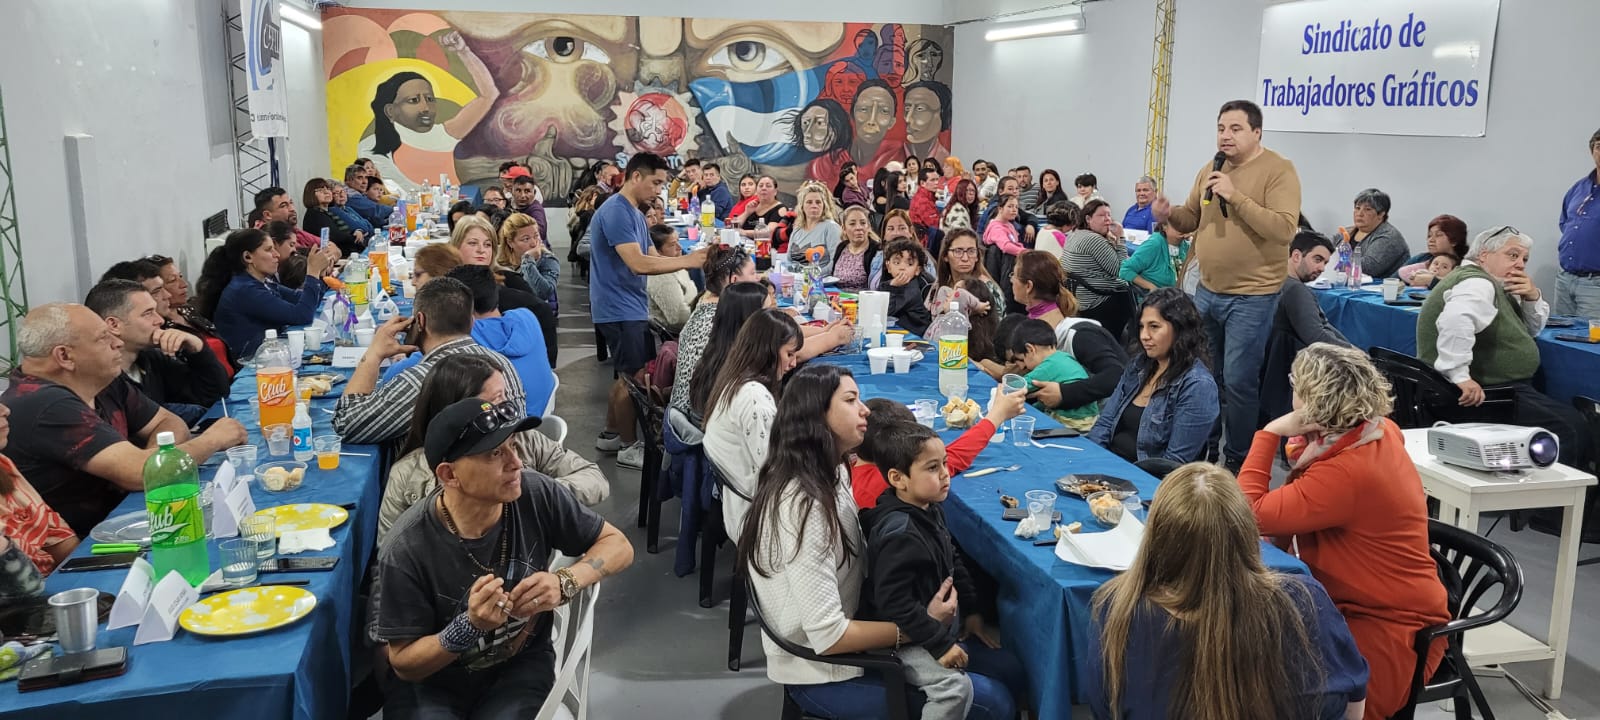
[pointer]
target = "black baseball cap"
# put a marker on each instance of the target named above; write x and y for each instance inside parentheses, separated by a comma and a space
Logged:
(472, 426)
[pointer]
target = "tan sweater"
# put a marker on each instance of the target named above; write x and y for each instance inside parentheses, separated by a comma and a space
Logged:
(1247, 252)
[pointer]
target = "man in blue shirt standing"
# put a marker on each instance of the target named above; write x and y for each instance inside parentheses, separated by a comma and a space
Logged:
(1138, 217)
(1578, 284)
(619, 260)
(712, 187)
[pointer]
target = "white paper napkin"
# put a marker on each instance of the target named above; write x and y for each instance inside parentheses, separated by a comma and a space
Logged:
(297, 541)
(1113, 549)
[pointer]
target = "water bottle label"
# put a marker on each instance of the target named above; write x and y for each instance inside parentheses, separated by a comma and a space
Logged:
(952, 353)
(301, 439)
(175, 522)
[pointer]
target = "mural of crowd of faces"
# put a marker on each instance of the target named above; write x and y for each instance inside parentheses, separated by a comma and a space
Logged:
(455, 94)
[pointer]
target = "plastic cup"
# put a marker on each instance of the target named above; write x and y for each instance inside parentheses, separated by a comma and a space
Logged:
(927, 411)
(243, 458)
(894, 341)
(327, 449)
(878, 360)
(1013, 382)
(261, 531)
(277, 439)
(1022, 431)
(239, 562)
(364, 336)
(1391, 289)
(1042, 507)
(1594, 331)
(902, 359)
(77, 618)
(297, 343)
(313, 334)
(208, 506)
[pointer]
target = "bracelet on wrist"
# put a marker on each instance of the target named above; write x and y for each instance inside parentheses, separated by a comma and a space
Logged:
(460, 635)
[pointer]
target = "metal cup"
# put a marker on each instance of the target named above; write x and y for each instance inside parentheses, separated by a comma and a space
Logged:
(77, 618)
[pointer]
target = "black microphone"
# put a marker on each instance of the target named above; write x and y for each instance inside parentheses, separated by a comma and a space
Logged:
(1216, 165)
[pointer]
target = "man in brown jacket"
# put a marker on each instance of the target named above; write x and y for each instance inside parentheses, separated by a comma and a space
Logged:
(1241, 236)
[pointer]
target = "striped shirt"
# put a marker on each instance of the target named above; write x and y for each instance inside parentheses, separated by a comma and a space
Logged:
(1090, 259)
(385, 413)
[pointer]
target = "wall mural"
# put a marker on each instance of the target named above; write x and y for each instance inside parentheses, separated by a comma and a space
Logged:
(458, 93)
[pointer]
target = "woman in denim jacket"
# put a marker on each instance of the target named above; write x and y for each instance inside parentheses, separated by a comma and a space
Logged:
(1165, 406)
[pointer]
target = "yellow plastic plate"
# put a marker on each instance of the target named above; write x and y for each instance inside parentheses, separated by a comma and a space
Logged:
(248, 610)
(306, 516)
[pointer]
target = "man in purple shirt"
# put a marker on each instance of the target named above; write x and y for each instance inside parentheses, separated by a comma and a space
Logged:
(1578, 284)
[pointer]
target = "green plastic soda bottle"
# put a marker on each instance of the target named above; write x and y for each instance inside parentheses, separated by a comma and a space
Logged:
(177, 522)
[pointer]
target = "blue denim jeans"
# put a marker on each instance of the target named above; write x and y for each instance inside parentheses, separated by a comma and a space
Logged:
(1238, 327)
(1576, 295)
(997, 679)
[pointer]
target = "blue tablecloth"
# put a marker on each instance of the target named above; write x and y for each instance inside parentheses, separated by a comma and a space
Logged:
(301, 671)
(1566, 368)
(1044, 602)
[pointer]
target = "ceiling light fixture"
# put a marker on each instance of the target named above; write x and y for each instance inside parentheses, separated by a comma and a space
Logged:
(1060, 25)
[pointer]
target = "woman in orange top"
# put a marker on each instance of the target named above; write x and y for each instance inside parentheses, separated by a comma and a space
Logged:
(30, 525)
(1354, 511)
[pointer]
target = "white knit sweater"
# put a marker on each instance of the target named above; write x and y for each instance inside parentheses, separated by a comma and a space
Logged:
(737, 434)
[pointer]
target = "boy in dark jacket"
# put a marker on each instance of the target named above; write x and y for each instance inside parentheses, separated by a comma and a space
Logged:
(910, 557)
(906, 284)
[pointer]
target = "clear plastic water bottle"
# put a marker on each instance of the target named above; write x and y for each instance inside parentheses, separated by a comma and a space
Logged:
(1353, 279)
(953, 352)
(301, 433)
(1343, 253)
(177, 522)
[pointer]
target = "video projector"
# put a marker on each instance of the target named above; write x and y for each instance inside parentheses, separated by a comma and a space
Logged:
(1494, 447)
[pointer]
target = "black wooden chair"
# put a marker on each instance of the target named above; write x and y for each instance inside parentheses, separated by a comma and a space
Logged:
(651, 415)
(882, 662)
(1423, 397)
(1590, 408)
(713, 533)
(1471, 567)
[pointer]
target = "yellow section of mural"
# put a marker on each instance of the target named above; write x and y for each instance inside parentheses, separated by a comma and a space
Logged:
(350, 96)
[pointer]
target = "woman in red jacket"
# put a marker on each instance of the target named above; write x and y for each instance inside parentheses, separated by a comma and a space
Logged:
(1354, 511)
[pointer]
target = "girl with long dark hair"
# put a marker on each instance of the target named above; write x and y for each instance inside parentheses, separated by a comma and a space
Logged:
(803, 549)
(238, 292)
(743, 402)
(1050, 191)
(1198, 627)
(729, 272)
(1166, 404)
(749, 298)
(849, 190)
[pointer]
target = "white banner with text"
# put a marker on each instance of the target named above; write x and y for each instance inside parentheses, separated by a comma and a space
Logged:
(268, 99)
(1383, 67)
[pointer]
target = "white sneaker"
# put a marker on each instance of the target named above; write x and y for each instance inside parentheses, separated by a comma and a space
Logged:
(608, 442)
(631, 456)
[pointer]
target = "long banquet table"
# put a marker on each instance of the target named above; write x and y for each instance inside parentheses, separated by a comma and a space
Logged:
(1567, 369)
(1044, 602)
(300, 671)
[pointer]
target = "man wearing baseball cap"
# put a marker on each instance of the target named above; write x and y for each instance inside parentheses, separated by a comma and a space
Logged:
(464, 588)
(526, 197)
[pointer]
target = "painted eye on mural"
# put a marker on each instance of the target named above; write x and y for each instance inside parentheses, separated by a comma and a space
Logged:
(749, 56)
(566, 49)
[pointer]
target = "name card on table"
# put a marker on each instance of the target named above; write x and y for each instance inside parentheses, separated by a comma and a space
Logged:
(347, 357)
(133, 596)
(171, 597)
(224, 480)
(230, 509)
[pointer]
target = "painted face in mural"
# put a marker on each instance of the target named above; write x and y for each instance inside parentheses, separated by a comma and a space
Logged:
(923, 113)
(414, 107)
(926, 59)
(814, 128)
(874, 115)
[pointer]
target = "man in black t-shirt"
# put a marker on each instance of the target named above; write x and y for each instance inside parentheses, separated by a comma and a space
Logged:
(464, 590)
(81, 431)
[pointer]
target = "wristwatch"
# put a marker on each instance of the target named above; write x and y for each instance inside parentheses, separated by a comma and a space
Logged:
(569, 585)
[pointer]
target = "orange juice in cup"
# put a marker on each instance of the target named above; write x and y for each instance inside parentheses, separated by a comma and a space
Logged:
(411, 217)
(1594, 331)
(327, 449)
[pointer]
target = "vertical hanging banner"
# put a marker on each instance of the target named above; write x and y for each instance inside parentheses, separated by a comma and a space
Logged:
(1382, 67)
(263, 66)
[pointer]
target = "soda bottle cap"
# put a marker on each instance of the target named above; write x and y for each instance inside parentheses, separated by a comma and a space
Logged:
(166, 439)
(272, 335)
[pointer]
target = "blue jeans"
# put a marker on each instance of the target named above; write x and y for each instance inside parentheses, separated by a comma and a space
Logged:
(1577, 295)
(997, 679)
(1238, 327)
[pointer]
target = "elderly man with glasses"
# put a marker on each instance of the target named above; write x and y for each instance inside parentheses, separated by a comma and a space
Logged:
(1477, 328)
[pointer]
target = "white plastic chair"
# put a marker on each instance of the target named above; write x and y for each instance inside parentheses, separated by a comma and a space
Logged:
(572, 635)
(550, 407)
(554, 428)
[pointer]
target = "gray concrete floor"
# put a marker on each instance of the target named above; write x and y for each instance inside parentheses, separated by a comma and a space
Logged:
(658, 654)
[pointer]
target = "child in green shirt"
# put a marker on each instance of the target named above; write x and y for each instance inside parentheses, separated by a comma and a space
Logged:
(1030, 350)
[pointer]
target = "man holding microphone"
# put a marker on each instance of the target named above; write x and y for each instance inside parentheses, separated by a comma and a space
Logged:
(1243, 211)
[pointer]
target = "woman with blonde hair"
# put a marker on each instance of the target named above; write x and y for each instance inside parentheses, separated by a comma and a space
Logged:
(816, 235)
(474, 237)
(523, 247)
(1198, 627)
(856, 261)
(1353, 509)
